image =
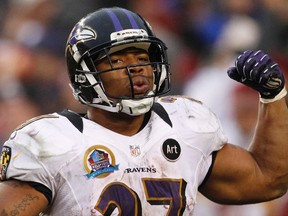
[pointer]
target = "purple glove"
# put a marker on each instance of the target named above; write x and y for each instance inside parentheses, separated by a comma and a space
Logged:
(258, 71)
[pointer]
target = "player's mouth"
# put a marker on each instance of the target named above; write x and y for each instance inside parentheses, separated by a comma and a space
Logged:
(141, 85)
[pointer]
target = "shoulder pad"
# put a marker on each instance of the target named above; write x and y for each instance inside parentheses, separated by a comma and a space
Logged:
(74, 118)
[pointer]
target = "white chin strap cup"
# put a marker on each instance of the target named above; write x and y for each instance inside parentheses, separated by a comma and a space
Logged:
(136, 107)
(130, 107)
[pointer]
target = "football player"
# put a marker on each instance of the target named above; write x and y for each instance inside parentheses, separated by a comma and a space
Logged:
(136, 151)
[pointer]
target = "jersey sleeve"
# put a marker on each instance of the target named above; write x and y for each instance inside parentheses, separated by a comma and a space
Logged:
(193, 120)
(198, 127)
(35, 151)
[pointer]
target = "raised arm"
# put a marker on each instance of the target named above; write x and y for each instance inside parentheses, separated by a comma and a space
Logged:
(260, 174)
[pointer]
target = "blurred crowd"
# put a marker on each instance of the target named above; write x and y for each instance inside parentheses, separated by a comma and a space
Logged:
(203, 36)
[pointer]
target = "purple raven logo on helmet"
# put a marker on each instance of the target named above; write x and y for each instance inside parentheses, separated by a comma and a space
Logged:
(82, 34)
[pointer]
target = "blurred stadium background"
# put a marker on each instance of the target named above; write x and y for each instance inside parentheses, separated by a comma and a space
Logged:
(203, 37)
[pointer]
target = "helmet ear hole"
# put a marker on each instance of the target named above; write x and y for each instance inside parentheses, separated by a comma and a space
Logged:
(157, 52)
(88, 94)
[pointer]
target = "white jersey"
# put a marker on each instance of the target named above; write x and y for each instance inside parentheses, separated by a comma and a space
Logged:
(91, 170)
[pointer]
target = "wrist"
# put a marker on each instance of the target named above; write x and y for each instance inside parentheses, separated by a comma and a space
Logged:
(279, 96)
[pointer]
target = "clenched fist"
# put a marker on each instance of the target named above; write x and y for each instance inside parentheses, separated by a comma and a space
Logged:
(258, 71)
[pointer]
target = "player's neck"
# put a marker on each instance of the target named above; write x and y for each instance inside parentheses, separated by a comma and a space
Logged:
(118, 122)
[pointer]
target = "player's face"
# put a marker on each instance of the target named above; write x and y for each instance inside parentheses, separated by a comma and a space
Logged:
(137, 79)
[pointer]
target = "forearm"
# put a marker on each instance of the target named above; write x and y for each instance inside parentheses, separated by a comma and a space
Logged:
(260, 174)
(270, 145)
(242, 177)
(18, 198)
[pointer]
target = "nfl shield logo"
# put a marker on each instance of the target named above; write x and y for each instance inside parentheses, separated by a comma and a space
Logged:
(135, 150)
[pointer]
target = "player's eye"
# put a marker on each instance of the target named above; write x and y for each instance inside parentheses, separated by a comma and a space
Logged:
(143, 59)
(116, 61)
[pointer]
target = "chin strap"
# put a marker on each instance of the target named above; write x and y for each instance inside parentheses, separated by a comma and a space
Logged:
(137, 107)
(130, 107)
